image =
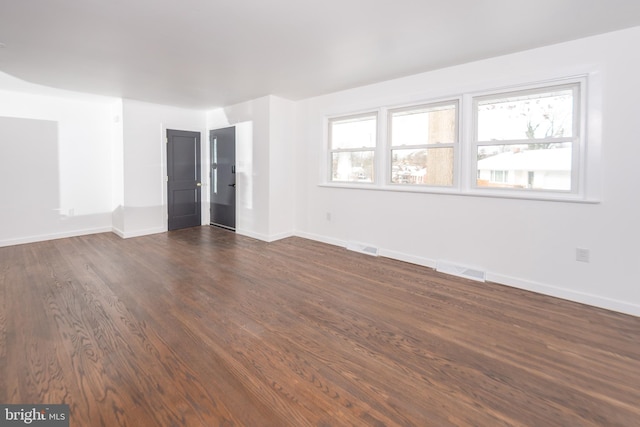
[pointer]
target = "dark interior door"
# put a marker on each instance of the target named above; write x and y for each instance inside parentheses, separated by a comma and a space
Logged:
(183, 179)
(223, 177)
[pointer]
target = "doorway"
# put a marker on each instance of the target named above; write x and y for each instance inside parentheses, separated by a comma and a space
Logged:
(183, 179)
(223, 177)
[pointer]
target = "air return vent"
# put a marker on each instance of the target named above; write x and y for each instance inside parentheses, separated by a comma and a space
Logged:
(362, 248)
(460, 270)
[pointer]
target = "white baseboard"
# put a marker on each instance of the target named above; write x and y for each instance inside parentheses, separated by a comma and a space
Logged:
(567, 294)
(279, 236)
(138, 233)
(253, 235)
(118, 232)
(264, 237)
(412, 259)
(53, 236)
(322, 239)
(540, 288)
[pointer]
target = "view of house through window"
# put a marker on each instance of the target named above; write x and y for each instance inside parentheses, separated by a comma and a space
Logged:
(352, 144)
(525, 140)
(521, 141)
(422, 141)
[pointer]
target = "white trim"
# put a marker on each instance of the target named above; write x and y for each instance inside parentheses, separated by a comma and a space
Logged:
(53, 236)
(514, 282)
(540, 288)
(118, 232)
(253, 235)
(322, 239)
(412, 259)
(545, 197)
(566, 294)
(586, 181)
(280, 236)
(382, 173)
(265, 237)
(138, 233)
(373, 113)
(387, 158)
(578, 139)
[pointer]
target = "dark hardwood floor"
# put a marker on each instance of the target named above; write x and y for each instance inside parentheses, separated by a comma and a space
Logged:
(202, 327)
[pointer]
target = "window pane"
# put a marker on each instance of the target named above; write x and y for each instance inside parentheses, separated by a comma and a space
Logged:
(531, 116)
(428, 166)
(525, 166)
(352, 166)
(436, 125)
(359, 132)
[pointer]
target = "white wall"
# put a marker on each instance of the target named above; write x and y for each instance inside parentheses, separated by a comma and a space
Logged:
(145, 167)
(117, 167)
(523, 243)
(104, 166)
(252, 170)
(281, 168)
(57, 185)
(264, 145)
(101, 168)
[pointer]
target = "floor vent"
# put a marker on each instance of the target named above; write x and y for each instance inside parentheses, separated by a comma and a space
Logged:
(461, 271)
(362, 248)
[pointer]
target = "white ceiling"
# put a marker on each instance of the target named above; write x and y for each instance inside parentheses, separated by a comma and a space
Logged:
(210, 53)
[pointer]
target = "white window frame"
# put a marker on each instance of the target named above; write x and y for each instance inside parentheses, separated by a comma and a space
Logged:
(454, 145)
(375, 149)
(504, 176)
(586, 149)
(577, 139)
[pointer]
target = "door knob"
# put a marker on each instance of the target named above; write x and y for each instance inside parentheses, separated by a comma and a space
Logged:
(232, 185)
(199, 184)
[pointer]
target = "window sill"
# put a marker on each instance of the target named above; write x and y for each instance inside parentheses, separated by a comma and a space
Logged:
(537, 196)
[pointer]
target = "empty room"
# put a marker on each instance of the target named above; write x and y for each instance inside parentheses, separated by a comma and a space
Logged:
(290, 213)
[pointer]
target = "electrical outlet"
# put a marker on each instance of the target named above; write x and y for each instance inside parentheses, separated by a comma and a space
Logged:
(328, 216)
(582, 254)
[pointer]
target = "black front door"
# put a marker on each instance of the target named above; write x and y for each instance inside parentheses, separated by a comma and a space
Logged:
(183, 179)
(223, 177)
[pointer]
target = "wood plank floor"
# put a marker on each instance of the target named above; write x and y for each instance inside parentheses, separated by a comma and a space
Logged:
(202, 327)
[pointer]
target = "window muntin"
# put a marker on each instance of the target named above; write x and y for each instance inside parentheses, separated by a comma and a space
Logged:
(531, 136)
(422, 140)
(524, 143)
(499, 176)
(352, 146)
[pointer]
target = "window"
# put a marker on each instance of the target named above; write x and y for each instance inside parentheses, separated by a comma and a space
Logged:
(352, 145)
(422, 141)
(499, 176)
(528, 140)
